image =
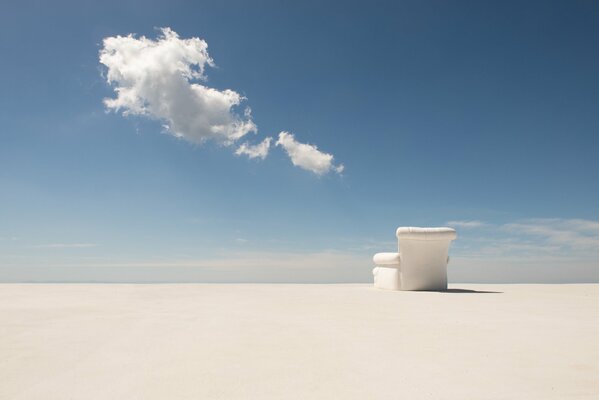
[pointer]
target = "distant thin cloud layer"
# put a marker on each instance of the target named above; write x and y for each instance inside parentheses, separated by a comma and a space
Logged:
(307, 156)
(65, 245)
(536, 237)
(163, 79)
(466, 224)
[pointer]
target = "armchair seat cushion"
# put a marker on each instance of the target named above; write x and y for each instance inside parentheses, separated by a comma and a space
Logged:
(386, 258)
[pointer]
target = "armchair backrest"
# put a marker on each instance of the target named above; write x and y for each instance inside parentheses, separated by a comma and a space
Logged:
(423, 254)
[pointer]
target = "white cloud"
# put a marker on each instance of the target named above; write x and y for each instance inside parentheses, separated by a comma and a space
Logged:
(65, 245)
(576, 234)
(307, 156)
(528, 250)
(159, 79)
(572, 239)
(466, 224)
(259, 150)
(164, 79)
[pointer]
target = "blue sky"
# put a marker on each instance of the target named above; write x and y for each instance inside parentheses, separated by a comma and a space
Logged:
(482, 116)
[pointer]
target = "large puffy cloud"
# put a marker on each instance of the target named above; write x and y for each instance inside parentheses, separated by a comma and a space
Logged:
(159, 79)
(307, 156)
(164, 79)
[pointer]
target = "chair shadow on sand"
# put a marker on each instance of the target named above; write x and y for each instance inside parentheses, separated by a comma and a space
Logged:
(466, 291)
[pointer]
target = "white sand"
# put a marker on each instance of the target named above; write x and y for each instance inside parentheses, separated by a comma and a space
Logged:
(111, 341)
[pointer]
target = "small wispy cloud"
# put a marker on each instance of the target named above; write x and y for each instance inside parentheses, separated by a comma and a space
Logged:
(307, 156)
(572, 233)
(466, 224)
(532, 238)
(65, 245)
(259, 150)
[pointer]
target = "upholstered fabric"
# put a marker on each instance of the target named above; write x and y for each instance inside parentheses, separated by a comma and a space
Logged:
(422, 263)
(387, 277)
(426, 233)
(386, 258)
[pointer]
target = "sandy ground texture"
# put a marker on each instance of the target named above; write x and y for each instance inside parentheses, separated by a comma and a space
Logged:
(193, 341)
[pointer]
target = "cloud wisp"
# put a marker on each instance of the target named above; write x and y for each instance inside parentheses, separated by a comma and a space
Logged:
(259, 150)
(538, 237)
(539, 250)
(66, 246)
(576, 234)
(466, 224)
(307, 156)
(164, 79)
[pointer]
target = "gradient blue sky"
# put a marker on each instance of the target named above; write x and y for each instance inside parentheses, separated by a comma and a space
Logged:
(479, 115)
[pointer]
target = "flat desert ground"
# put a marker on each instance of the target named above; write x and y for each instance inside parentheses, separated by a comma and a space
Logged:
(296, 341)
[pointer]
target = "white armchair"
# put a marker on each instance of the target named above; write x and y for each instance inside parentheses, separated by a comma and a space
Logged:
(419, 264)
